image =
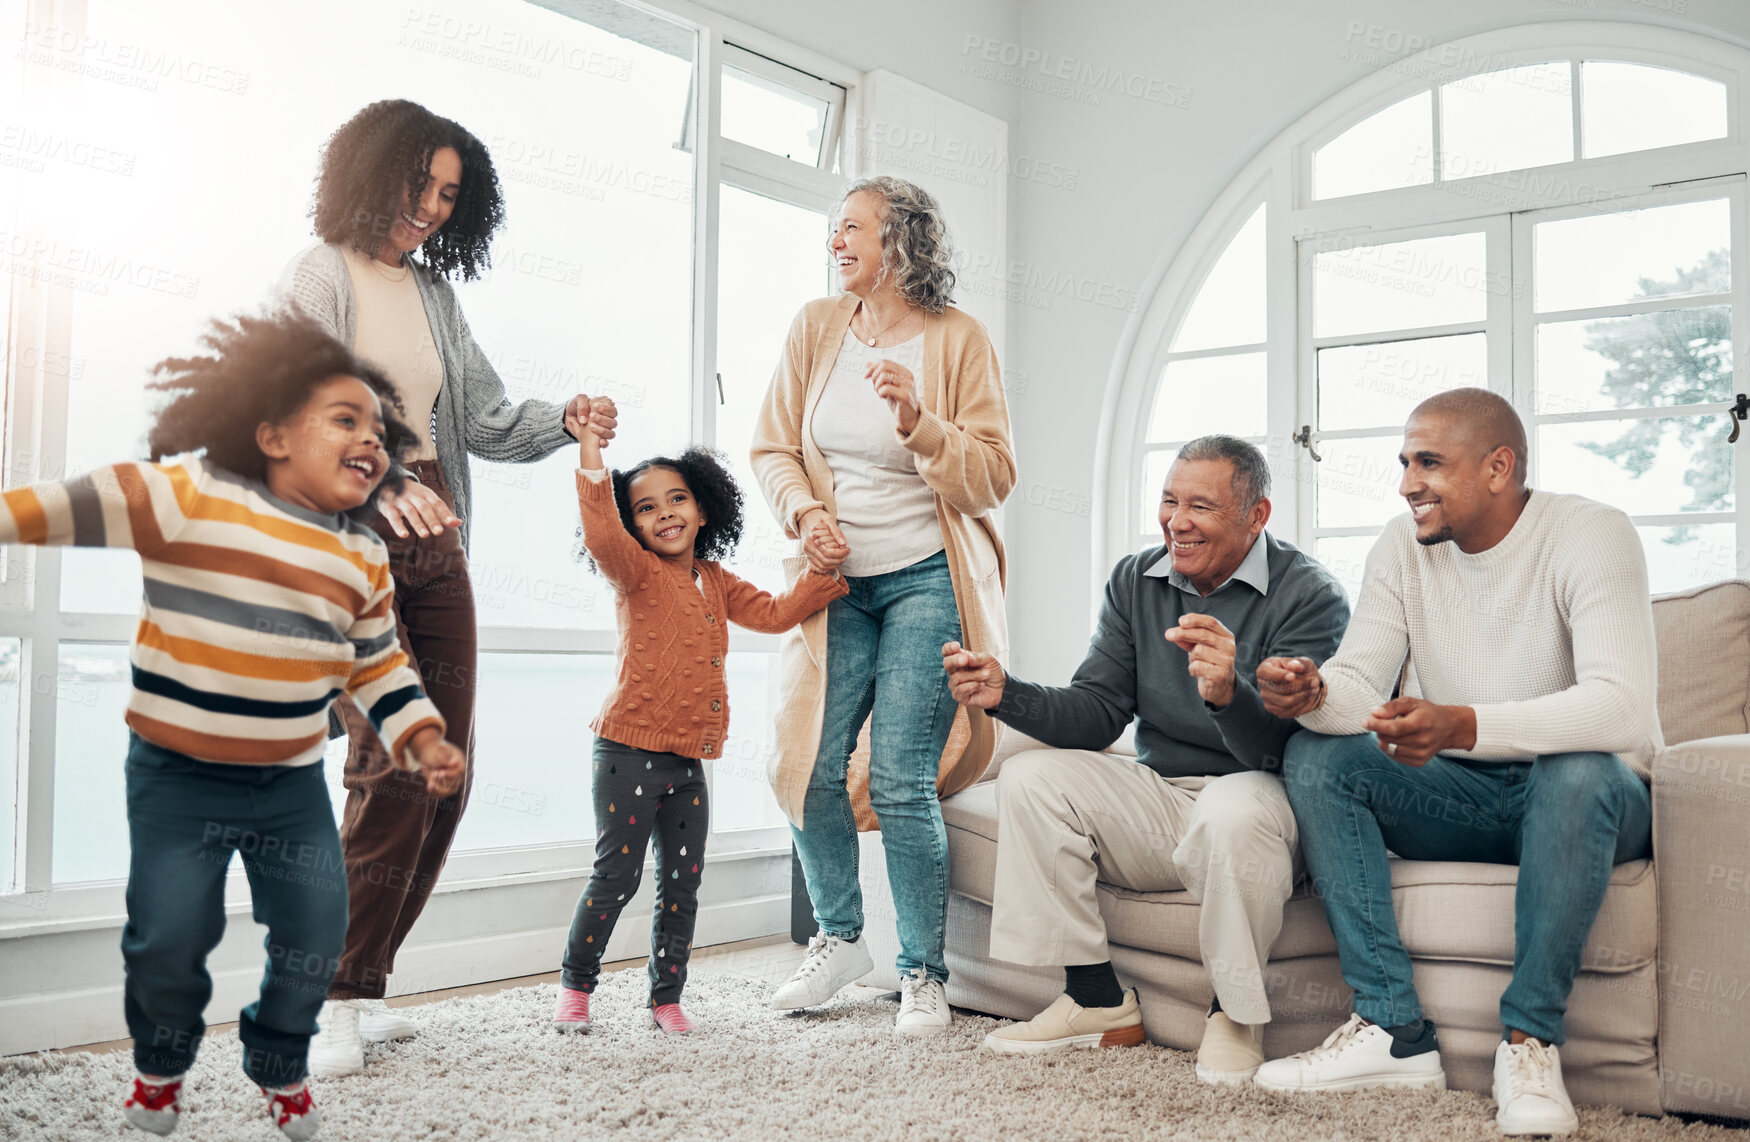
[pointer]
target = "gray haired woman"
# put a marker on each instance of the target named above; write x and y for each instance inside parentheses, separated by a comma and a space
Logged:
(883, 445)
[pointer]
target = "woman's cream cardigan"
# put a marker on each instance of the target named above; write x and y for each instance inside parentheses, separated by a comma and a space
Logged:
(964, 454)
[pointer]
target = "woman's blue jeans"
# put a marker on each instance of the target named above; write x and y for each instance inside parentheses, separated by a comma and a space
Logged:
(1564, 819)
(884, 655)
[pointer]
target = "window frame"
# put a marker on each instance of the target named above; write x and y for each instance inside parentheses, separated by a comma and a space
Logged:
(35, 429)
(1280, 176)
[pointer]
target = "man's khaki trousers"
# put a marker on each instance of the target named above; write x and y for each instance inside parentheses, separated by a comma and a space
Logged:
(1068, 818)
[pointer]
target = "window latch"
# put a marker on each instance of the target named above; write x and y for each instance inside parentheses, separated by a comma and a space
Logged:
(720, 399)
(1738, 412)
(1304, 438)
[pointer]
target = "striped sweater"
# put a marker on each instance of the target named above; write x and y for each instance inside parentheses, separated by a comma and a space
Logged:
(258, 613)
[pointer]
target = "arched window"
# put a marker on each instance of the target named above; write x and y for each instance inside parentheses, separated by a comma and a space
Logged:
(1556, 213)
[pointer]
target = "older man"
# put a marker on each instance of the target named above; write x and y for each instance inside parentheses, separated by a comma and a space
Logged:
(1201, 808)
(1525, 619)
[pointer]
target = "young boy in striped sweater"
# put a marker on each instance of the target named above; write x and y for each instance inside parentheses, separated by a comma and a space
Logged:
(263, 602)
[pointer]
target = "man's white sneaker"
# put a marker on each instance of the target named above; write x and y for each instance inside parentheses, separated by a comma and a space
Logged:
(829, 964)
(1356, 1056)
(1529, 1095)
(923, 1005)
(337, 1048)
(378, 1023)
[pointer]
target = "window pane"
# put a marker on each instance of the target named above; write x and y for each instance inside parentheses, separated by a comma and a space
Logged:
(1682, 557)
(1631, 107)
(1368, 386)
(1386, 150)
(1668, 357)
(1154, 478)
(1211, 394)
(766, 114)
(1345, 556)
(533, 749)
(771, 260)
(1506, 120)
(1400, 285)
(1229, 309)
(1645, 467)
(11, 660)
(1606, 259)
(581, 126)
(741, 798)
(91, 745)
(1357, 482)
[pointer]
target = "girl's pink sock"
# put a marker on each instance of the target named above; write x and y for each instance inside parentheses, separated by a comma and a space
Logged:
(671, 1019)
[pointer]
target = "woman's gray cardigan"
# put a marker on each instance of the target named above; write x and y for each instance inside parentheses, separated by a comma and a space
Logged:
(472, 414)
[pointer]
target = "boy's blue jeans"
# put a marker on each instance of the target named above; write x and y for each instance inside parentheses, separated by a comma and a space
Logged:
(884, 654)
(1564, 819)
(185, 819)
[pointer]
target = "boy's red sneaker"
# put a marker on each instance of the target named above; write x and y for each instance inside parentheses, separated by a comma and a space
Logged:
(155, 1103)
(293, 1111)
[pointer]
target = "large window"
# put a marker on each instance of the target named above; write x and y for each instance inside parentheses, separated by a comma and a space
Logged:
(666, 194)
(1562, 224)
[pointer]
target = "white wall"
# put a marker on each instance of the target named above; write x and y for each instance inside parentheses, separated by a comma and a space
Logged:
(1117, 185)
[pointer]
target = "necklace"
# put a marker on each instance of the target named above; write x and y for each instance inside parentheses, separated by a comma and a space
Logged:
(874, 337)
(395, 273)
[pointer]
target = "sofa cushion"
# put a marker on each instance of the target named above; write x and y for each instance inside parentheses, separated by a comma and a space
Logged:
(1704, 661)
(1447, 910)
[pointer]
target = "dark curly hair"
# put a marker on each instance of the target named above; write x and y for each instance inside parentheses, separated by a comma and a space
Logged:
(386, 149)
(707, 475)
(262, 369)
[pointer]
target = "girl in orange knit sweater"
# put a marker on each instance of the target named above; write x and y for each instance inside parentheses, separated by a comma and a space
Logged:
(655, 533)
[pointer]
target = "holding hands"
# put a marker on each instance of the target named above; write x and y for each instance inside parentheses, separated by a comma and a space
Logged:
(1212, 648)
(442, 762)
(974, 679)
(823, 543)
(895, 384)
(591, 421)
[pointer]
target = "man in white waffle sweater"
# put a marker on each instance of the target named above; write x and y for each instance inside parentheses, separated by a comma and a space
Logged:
(1524, 738)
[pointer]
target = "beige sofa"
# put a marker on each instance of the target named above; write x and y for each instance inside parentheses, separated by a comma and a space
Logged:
(1659, 1019)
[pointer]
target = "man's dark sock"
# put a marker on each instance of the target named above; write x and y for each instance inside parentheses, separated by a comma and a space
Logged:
(1093, 985)
(1413, 1038)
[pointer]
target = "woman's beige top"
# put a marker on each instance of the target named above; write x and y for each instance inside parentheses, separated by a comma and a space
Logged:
(394, 334)
(963, 451)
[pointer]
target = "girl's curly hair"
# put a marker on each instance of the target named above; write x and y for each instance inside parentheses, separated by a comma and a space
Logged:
(386, 150)
(262, 369)
(707, 475)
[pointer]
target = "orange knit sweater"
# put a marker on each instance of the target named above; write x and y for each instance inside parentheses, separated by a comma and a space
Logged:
(670, 695)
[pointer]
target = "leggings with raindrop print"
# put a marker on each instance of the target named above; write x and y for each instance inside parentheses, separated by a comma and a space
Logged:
(638, 792)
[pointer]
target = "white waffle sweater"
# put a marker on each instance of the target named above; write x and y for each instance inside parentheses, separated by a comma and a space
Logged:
(1548, 635)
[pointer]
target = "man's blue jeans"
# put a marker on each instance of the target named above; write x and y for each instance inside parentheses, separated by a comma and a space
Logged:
(1564, 819)
(884, 654)
(185, 820)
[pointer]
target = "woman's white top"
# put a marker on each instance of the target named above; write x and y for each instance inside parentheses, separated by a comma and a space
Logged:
(394, 334)
(885, 509)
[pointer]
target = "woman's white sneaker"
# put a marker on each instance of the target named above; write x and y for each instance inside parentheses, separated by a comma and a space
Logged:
(1529, 1095)
(923, 1005)
(1357, 1056)
(337, 1049)
(829, 964)
(378, 1023)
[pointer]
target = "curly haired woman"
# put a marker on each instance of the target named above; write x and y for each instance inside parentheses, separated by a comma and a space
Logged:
(883, 445)
(396, 180)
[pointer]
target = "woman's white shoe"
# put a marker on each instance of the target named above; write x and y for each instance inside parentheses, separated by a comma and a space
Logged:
(923, 1005)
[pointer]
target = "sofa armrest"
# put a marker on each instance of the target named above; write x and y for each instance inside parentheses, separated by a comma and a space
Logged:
(1701, 857)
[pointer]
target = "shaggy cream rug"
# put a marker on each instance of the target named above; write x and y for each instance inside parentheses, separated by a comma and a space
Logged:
(490, 1068)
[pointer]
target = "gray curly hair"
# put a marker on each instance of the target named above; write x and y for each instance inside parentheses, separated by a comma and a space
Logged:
(915, 251)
